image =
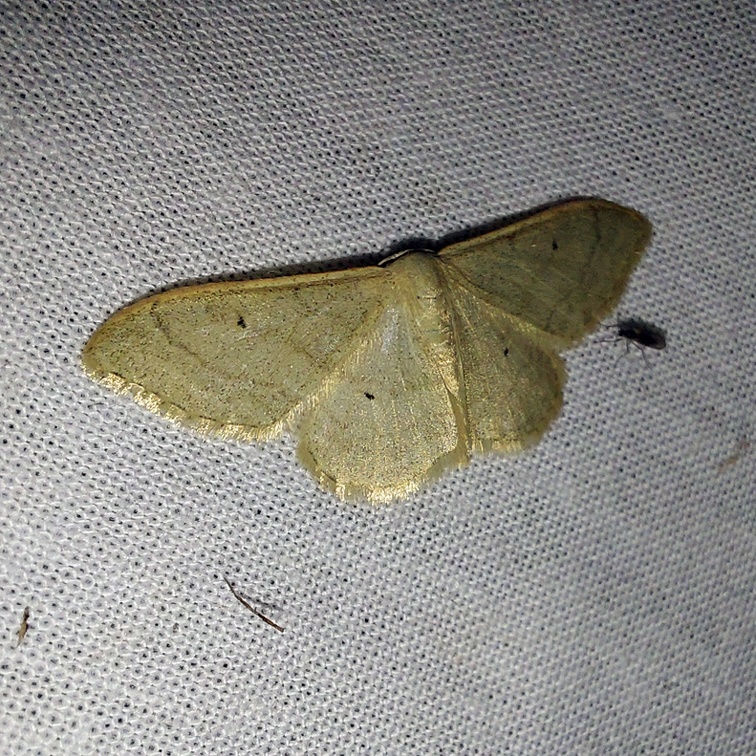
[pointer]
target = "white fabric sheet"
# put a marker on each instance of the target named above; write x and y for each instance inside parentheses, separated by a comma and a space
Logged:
(593, 596)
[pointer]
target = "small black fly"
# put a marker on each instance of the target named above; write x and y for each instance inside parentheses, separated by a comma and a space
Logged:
(641, 334)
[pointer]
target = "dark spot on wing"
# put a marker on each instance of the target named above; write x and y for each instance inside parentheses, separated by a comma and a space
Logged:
(241, 322)
(554, 245)
(506, 351)
(369, 396)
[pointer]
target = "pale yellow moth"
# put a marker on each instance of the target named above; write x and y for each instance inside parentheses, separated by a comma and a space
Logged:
(392, 373)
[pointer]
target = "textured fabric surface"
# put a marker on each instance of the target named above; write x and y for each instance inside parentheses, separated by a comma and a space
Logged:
(593, 596)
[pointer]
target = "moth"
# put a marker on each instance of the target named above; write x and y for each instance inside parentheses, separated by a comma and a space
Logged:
(388, 374)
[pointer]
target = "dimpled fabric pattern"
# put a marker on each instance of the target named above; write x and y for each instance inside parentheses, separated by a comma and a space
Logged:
(594, 595)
